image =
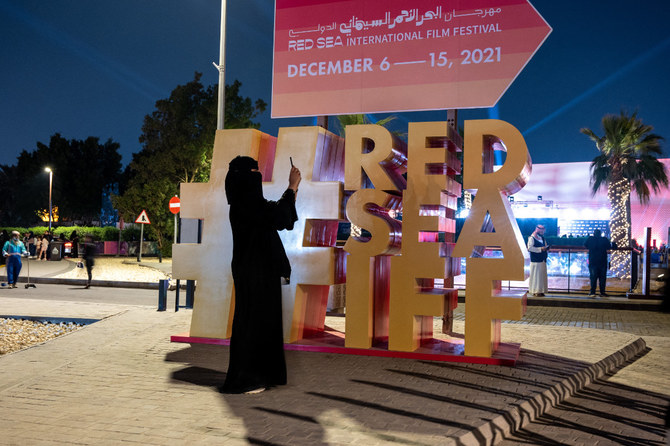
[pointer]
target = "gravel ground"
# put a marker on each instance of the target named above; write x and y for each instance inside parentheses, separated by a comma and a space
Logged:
(17, 334)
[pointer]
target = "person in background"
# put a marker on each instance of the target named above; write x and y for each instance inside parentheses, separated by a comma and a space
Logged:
(538, 247)
(597, 246)
(4, 238)
(13, 250)
(43, 246)
(74, 238)
(25, 238)
(30, 245)
(663, 250)
(50, 238)
(636, 250)
(88, 257)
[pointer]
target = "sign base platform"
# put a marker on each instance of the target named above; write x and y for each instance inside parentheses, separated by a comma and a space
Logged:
(332, 341)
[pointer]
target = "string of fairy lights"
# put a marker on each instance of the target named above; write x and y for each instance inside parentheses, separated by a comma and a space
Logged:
(618, 193)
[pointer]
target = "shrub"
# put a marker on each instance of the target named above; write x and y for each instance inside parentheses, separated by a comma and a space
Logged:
(109, 234)
(130, 234)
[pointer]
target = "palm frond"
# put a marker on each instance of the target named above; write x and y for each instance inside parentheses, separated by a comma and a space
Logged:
(641, 190)
(595, 138)
(386, 120)
(600, 173)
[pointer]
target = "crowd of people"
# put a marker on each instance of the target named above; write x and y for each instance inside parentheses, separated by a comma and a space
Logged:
(598, 261)
(14, 247)
(37, 246)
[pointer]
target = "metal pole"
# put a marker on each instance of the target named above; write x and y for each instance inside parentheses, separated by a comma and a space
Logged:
(176, 297)
(162, 294)
(176, 294)
(50, 208)
(139, 255)
(322, 121)
(569, 265)
(222, 69)
(646, 262)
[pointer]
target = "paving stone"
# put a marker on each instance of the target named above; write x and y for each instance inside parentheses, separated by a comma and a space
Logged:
(121, 380)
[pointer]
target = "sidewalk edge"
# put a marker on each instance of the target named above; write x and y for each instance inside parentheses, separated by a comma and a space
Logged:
(82, 282)
(529, 410)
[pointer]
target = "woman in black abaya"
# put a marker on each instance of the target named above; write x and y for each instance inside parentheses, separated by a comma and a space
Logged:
(259, 263)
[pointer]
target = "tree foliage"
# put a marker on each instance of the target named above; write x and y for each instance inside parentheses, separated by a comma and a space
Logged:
(81, 170)
(628, 150)
(342, 121)
(627, 162)
(177, 143)
(9, 180)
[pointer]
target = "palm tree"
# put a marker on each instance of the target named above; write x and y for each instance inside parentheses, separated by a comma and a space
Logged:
(627, 162)
(344, 120)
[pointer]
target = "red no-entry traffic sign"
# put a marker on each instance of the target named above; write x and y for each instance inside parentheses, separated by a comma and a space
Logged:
(175, 204)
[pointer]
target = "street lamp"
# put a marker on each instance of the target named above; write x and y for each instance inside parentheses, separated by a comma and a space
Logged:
(51, 175)
(221, 67)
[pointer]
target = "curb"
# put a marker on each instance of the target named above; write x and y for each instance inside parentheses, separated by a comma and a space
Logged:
(528, 411)
(52, 320)
(599, 304)
(98, 283)
(647, 305)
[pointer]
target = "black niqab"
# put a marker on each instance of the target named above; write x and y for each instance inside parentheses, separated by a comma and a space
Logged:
(243, 182)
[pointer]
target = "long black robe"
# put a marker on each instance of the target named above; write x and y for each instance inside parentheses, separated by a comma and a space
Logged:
(259, 263)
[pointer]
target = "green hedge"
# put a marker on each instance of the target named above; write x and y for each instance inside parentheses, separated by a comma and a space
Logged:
(104, 234)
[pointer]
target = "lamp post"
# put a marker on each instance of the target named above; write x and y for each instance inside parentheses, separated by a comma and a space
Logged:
(222, 69)
(51, 175)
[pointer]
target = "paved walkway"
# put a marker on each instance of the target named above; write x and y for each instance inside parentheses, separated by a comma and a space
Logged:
(121, 381)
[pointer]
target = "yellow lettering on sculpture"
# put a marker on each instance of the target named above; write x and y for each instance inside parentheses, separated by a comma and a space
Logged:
(361, 282)
(485, 303)
(368, 209)
(370, 148)
(428, 250)
(428, 207)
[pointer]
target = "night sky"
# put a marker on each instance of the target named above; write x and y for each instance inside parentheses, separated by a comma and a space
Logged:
(91, 68)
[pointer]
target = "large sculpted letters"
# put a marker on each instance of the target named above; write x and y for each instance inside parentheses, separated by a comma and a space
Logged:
(485, 303)
(428, 207)
(394, 288)
(368, 261)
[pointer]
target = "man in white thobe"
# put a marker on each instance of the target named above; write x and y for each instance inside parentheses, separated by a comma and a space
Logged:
(537, 247)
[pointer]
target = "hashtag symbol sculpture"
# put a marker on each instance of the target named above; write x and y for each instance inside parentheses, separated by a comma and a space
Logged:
(318, 206)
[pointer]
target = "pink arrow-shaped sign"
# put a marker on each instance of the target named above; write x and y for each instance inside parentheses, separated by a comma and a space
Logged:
(365, 56)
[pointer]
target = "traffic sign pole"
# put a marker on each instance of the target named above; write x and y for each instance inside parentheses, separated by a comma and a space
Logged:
(174, 206)
(139, 255)
(142, 219)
